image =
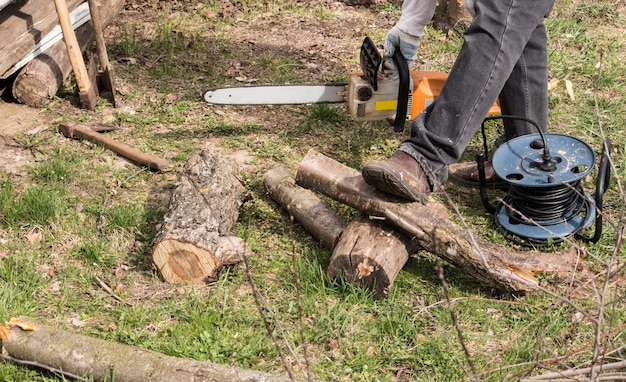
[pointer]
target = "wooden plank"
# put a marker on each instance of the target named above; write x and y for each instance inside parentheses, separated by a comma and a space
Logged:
(79, 17)
(22, 28)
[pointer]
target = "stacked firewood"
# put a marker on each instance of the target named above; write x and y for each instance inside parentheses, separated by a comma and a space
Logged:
(33, 55)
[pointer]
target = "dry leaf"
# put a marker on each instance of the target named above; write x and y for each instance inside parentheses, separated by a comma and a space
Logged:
(570, 89)
(553, 84)
(334, 345)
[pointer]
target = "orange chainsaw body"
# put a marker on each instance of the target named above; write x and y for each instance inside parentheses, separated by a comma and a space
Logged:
(365, 104)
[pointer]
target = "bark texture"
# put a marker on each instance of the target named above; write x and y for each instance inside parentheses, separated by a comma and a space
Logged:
(367, 253)
(370, 254)
(305, 206)
(450, 16)
(197, 234)
(497, 266)
(109, 361)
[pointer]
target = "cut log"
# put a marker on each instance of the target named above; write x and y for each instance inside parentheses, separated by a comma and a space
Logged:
(23, 27)
(196, 237)
(502, 268)
(368, 254)
(101, 360)
(305, 206)
(38, 82)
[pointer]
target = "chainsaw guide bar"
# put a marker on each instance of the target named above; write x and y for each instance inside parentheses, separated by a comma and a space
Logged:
(277, 94)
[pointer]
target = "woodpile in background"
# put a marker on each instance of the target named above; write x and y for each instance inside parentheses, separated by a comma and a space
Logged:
(33, 57)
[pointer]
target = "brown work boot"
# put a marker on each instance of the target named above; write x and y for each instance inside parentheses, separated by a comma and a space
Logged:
(467, 175)
(400, 175)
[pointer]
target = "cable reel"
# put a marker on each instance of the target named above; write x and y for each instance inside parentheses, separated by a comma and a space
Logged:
(545, 203)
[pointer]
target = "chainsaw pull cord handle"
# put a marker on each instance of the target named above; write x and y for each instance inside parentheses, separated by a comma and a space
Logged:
(403, 91)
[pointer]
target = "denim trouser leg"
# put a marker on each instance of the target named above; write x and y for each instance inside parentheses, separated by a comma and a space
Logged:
(525, 93)
(497, 47)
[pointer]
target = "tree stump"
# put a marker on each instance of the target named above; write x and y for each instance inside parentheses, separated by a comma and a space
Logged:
(196, 237)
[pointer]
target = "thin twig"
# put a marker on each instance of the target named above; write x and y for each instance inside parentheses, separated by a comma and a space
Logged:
(263, 307)
(444, 286)
(307, 369)
(107, 288)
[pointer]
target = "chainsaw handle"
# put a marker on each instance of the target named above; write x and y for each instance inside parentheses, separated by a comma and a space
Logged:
(403, 91)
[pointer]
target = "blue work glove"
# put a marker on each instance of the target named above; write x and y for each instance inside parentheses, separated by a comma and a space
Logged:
(408, 45)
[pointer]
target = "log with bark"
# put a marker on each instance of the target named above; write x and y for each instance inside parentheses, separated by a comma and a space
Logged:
(367, 253)
(99, 360)
(306, 207)
(370, 254)
(196, 238)
(502, 268)
(40, 79)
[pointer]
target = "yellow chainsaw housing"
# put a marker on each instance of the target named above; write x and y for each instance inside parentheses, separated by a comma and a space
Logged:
(365, 104)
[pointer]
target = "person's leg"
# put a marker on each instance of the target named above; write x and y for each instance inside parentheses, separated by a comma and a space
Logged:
(494, 43)
(525, 93)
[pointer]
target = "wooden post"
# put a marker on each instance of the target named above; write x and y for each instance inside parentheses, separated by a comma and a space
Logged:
(86, 89)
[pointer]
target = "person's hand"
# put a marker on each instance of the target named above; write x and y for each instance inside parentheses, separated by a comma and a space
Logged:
(470, 7)
(408, 45)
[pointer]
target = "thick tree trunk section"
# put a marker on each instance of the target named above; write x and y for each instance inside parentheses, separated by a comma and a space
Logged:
(22, 27)
(450, 16)
(305, 206)
(102, 360)
(370, 254)
(196, 238)
(40, 79)
(499, 267)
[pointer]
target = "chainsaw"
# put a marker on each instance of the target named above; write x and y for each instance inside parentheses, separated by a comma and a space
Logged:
(371, 95)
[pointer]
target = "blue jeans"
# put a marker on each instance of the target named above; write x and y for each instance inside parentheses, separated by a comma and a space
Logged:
(504, 55)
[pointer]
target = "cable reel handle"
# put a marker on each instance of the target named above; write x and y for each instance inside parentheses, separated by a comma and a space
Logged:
(602, 184)
(482, 181)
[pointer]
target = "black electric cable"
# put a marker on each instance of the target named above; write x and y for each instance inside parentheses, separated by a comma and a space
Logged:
(543, 206)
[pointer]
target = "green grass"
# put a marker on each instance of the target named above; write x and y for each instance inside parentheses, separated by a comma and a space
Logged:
(78, 217)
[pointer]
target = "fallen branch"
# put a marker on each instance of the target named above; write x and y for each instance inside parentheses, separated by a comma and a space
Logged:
(100, 360)
(502, 268)
(305, 206)
(367, 253)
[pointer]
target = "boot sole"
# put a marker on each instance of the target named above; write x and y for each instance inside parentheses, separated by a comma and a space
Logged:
(383, 179)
